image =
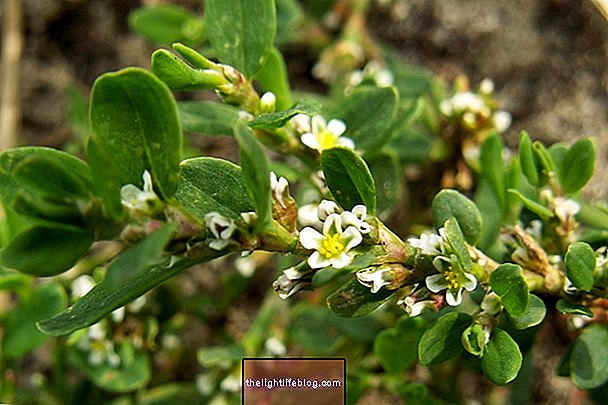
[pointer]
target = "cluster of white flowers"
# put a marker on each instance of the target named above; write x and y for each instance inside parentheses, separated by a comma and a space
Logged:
(221, 228)
(373, 72)
(341, 232)
(472, 108)
(316, 133)
(451, 276)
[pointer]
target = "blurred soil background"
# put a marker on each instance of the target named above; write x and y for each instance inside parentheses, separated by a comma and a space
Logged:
(546, 57)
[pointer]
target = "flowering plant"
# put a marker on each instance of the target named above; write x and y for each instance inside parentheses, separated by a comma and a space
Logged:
(510, 240)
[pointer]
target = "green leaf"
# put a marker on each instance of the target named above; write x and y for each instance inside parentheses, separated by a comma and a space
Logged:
(289, 15)
(134, 128)
(273, 77)
(47, 250)
(167, 23)
(178, 75)
(450, 203)
(527, 159)
(544, 158)
(576, 168)
(208, 117)
(221, 356)
(580, 264)
(353, 299)
(474, 339)
(313, 329)
(396, 348)
(492, 167)
(133, 372)
(589, 358)
(532, 205)
(348, 178)
(502, 358)
(256, 174)
(441, 341)
(456, 239)
(567, 307)
(508, 283)
(20, 333)
(368, 113)
(51, 178)
(241, 32)
(532, 316)
(134, 272)
(212, 185)
(388, 174)
(279, 119)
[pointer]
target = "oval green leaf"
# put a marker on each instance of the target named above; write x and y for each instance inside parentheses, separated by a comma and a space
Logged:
(576, 168)
(208, 117)
(441, 341)
(508, 283)
(527, 159)
(492, 167)
(348, 178)
(589, 358)
(502, 358)
(135, 127)
(580, 264)
(450, 203)
(241, 32)
(395, 348)
(532, 316)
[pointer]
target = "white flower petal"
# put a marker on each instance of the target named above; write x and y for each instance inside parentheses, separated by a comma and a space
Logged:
(317, 261)
(352, 237)
(326, 208)
(318, 124)
(471, 282)
(310, 140)
(310, 238)
(454, 297)
(436, 283)
(346, 142)
(336, 127)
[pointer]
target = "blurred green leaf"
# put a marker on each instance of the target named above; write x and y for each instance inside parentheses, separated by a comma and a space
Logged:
(492, 167)
(348, 178)
(567, 307)
(387, 173)
(221, 356)
(580, 264)
(502, 358)
(167, 23)
(313, 329)
(532, 316)
(450, 203)
(212, 185)
(280, 118)
(49, 177)
(396, 348)
(289, 15)
(368, 113)
(273, 77)
(441, 341)
(527, 159)
(47, 250)
(208, 117)
(353, 299)
(241, 32)
(577, 166)
(508, 283)
(256, 174)
(589, 359)
(134, 128)
(20, 332)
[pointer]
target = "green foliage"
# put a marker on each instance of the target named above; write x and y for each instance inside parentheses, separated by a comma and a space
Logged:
(450, 203)
(396, 347)
(502, 358)
(442, 339)
(576, 167)
(168, 23)
(589, 364)
(354, 300)
(508, 283)
(580, 264)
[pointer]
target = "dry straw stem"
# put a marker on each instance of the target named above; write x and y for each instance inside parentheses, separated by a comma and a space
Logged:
(12, 45)
(602, 6)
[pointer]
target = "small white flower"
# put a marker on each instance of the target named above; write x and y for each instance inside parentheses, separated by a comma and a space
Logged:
(451, 278)
(566, 209)
(375, 278)
(356, 218)
(301, 123)
(275, 347)
(139, 200)
(486, 86)
(290, 281)
(268, 102)
(326, 135)
(414, 307)
(501, 120)
(118, 315)
(467, 101)
(82, 285)
(308, 216)
(280, 188)
(326, 208)
(333, 246)
(222, 229)
(429, 243)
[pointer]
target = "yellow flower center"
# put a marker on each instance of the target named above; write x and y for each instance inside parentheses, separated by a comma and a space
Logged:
(452, 279)
(331, 246)
(326, 139)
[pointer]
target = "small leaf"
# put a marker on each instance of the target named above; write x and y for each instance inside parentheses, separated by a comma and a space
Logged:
(212, 185)
(580, 264)
(20, 333)
(208, 117)
(313, 329)
(441, 341)
(527, 159)
(532, 205)
(167, 23)
(241, 32)
(368, 113)
(456, 240)
(577, 166)
(396, 347)
(50, 178)
(178, 75)
(533, 315)
(589, 359)
(273, 77)
(221, 356)
(502, 358)
(567, 307)
(508, 283)
(348, 178)
(47, 250)
(492, 167)
(256, 174)
(544, 158)
(134, 128)
(353, 299)
(279, 119)
(450, 203)
(387, 173)
(133, 372)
